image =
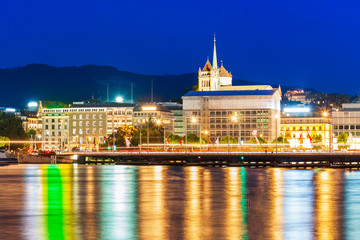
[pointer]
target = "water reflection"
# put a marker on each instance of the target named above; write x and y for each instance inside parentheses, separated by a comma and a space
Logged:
(147, 202)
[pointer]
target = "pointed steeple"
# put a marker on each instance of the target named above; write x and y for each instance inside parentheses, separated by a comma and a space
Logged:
(215, 66)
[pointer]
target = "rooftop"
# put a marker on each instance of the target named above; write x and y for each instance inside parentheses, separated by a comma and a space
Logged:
(230, 93)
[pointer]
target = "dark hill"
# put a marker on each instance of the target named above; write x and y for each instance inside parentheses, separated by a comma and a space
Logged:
(42, 82)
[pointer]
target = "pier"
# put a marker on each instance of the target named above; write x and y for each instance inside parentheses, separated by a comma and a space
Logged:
(239, 159)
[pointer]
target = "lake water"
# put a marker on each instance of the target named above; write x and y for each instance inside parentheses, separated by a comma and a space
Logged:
(157, 202)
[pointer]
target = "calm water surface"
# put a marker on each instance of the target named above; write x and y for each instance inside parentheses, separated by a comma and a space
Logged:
(153, 202)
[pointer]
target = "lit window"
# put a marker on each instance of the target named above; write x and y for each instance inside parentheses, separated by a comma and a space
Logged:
(74, 124)
(81, 131)
(74, 131)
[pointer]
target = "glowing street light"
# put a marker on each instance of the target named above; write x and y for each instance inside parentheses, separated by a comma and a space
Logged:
(32, 104)
(159, 122)
(119, 99)
(277, 116)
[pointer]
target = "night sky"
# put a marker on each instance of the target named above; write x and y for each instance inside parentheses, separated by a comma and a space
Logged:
(308, 43)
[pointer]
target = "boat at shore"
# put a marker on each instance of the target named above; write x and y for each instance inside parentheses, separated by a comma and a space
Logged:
(6, 158)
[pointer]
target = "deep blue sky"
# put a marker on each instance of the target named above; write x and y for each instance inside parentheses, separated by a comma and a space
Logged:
(309, 43)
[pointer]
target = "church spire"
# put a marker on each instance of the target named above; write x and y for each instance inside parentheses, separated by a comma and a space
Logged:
(215, 66)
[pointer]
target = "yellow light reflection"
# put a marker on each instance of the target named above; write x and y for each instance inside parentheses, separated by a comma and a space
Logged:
(233, 213)
(152, 205)
(193, 226)
(276, 203)
(327, 209)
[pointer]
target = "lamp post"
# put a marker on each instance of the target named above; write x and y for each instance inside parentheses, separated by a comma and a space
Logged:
(140, 138)
(114, 141)
(193, 121)
(159, 122)
(236, 118)
(276, 132)
(325, 114)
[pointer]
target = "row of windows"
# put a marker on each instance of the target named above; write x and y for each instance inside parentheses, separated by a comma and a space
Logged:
(357, 134)
(87, 123)
(53, 133)
(87, 131)
(236, 127)
(290, 121)
(145, 114)
(58, 127)
(74, 110)
(307, 128)
(245, 120)
(226, 113)
(87, 116)
(58, 120)
(119, 113)
(341, 127)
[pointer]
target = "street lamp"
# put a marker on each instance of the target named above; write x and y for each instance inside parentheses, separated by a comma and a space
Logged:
(236, 118)
(158, 122)
(194, 120)
(277, 116)
(325, 114)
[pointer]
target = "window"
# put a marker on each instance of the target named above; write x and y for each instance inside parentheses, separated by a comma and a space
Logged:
(94, 123)
(94, 131)
(80, 123)
(81, 131)
(87, 116)
(94, 116)
(59, 127)
(87, 123)
(100, 131)
(52, 120)
(80, 117)
(101, 123)
(74, 116)
(52, 126)
(87, 131)
(74, 124)
(74, 131)
(46, 127)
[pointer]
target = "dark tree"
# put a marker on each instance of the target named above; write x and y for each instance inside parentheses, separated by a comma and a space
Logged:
(11, 127)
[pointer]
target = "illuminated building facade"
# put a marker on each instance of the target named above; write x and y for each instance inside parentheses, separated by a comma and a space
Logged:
(144, 113)
(299, 130)
(219, 109)
(233, 113)
(211, 77)
(82, 125)
(347, 120)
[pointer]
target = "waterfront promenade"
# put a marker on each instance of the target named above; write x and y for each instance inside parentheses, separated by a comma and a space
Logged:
(249, 159)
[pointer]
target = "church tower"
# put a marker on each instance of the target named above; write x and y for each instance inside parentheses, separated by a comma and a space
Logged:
(211, 77)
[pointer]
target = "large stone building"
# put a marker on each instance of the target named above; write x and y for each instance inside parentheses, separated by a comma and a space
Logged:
(219, 109)
(347, 120)
(82, 125)
(301, 131)
(211, 77)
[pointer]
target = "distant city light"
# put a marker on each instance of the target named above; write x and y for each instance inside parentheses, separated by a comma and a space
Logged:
(149, 108)
(119, 99)
(32, 104)
(10, 110)
(297, 110)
